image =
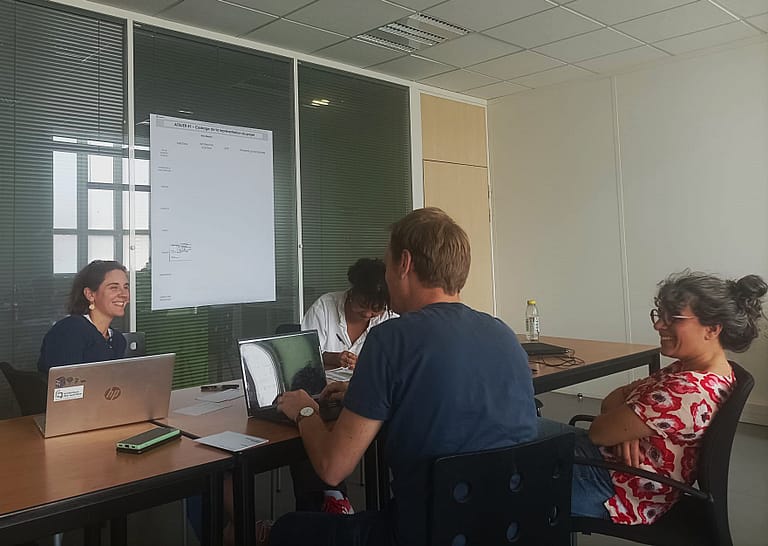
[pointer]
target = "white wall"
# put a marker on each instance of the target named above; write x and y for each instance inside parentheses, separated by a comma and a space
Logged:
(602, 188)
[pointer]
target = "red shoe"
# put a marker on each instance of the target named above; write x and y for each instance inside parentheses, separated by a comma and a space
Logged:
(263, 527)
(337, 506)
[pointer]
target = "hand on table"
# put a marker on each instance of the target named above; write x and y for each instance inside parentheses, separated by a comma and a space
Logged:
(291, 402)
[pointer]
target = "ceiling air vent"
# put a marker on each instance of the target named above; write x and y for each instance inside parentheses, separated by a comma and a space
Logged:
(413, 33)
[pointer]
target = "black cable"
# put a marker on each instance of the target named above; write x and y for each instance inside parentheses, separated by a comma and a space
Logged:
(561, 361)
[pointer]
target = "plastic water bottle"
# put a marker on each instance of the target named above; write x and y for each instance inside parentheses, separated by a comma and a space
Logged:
(531, 321)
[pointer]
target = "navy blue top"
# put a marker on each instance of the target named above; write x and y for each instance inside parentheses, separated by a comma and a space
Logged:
(446, 379)
(75, 340)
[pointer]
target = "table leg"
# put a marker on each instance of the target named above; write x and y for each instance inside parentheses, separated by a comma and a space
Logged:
(370, 467)
(92, 535)
(213, 514)
(118, 531)
(245, 503)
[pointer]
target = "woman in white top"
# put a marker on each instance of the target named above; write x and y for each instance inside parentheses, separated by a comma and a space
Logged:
(343, 319)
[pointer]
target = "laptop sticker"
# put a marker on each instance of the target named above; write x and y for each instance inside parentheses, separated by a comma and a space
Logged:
(68, 393)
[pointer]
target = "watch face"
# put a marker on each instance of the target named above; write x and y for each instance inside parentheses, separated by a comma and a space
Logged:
(306, 412)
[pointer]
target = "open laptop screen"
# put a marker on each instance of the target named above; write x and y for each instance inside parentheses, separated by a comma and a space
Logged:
(104, 394)
(274, 365)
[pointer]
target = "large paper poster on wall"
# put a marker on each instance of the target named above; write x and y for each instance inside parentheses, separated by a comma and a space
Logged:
(212, 227)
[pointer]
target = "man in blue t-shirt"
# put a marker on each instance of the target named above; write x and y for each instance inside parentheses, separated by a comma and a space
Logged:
(444, 378)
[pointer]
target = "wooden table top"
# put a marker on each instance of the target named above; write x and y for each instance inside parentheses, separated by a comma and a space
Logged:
(233, 418)
(36, 471)
(590, 351)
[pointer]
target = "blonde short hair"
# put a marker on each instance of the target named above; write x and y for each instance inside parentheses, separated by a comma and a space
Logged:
(438, 246)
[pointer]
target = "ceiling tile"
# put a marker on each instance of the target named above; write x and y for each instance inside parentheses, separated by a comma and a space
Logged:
(358, 53)
(275, 7)
(411, 68)
(221, 17)
(553, 76)
(295, 36)
(469, 49)
(542, 28)
(760, 22)
(622, 59)
(501, 89)
(482, 14)
(675, 22)
(459, 80)
(616, 11)
(143, 6)
(708, 38)
(586, 46)
(517, 64)
(350, 17)
(418, 5)
(745, 8)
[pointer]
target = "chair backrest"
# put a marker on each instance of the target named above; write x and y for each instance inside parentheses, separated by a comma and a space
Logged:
(288, 328)
(135, 344)
(519, 495)
(29, 387)
(715, 453)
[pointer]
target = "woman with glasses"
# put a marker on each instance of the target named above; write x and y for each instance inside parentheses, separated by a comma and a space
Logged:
(657, 423)
(343, 319)
(100, 293)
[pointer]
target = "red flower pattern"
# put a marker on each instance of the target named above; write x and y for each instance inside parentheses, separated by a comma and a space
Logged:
(702, 415)
(679, 405)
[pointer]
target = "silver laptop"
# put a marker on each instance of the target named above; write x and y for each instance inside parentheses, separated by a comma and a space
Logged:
(276, 364)
(105, 394)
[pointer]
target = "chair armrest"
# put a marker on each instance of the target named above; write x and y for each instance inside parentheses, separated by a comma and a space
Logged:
(659, 478)
(577, 418)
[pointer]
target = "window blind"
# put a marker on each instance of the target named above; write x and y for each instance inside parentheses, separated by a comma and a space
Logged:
(62, 103)
(355, 171)
(182, 76)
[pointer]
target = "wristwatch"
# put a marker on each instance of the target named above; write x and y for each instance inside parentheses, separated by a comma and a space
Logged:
(308, 411)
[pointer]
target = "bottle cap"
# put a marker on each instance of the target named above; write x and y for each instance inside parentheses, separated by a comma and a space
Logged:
(531, 302)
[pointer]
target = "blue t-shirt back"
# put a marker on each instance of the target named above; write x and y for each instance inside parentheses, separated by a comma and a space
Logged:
(445, 379)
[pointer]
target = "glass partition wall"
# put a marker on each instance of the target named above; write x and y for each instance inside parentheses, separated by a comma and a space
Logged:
(65, 195)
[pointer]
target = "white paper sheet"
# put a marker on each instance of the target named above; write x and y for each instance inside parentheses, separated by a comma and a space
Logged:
(232, 441)
(201, 409)
(221, 396)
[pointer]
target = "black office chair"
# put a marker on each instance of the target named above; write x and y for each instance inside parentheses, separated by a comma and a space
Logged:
(29, 387)
(135, 344)
(288, 328)
(519, 495)
(700, 517)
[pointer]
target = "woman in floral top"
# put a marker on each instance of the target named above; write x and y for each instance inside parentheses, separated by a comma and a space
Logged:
(657, 423)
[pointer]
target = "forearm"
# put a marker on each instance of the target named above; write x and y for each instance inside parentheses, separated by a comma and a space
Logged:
(615, 399)
(317, 441)
(331, 360)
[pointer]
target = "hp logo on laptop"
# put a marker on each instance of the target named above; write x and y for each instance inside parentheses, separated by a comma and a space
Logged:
(112, 393)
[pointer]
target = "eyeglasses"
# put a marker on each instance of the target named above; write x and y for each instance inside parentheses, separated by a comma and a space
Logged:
(659, 315)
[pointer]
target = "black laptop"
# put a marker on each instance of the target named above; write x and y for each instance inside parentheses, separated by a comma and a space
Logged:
(276, 364)
(536, 348)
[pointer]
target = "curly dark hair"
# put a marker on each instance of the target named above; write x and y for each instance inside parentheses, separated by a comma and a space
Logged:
(735, 305)
(369, 287)
(91, 276)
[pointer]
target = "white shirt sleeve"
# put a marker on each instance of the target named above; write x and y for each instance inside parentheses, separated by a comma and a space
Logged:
(317, 319)
(324, 317)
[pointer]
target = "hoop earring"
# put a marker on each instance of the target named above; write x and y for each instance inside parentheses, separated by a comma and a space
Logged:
(91, 306)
